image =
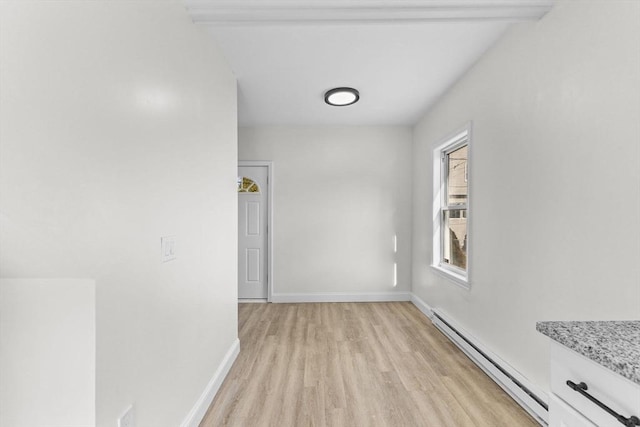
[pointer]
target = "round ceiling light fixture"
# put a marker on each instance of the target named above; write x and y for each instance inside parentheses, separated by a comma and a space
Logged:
(341, 96)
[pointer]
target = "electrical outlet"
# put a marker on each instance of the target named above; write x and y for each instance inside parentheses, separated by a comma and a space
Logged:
(126, 420)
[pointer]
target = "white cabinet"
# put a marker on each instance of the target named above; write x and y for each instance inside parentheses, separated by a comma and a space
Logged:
(563, 415)
(571, 408)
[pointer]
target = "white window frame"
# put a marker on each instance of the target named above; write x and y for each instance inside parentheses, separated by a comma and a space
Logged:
(451, 143)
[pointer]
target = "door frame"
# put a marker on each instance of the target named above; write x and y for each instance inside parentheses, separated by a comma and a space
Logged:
(270, 204)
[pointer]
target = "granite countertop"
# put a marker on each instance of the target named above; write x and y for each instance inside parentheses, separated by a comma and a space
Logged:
(614, 345)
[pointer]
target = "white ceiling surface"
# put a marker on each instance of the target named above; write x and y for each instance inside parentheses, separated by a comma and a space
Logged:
(401, 55)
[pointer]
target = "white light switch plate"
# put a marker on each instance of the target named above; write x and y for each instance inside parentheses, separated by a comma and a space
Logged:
(167, 248)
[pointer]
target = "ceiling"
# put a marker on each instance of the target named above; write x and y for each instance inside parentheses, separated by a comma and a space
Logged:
(402, 55)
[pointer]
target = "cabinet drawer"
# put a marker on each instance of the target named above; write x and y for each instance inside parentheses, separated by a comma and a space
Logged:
(563, 415)
(615, 391)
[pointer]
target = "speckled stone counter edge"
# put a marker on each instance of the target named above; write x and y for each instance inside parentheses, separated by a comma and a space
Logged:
(614, 344)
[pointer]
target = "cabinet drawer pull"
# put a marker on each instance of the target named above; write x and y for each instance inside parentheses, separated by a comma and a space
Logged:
(582, 389)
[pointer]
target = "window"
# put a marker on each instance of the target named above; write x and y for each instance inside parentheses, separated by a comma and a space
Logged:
(451, 207)
(247, 185)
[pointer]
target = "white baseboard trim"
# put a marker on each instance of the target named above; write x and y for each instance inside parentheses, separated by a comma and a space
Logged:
(422, 306)
(341, 297)
(496, 368)
(199, 410)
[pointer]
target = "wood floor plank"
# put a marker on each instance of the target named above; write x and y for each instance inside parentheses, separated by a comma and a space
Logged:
(354, 364)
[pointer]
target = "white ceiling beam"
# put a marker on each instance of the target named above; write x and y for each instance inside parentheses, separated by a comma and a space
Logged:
(252, 12)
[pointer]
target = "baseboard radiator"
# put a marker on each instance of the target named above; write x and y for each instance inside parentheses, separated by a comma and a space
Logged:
(506, 377)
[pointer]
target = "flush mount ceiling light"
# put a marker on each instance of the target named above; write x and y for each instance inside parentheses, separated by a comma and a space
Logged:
(341, 96)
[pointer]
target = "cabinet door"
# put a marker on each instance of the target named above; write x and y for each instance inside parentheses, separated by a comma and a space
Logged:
(563, 415)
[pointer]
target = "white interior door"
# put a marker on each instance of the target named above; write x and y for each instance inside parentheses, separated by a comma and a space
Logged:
(253, 194)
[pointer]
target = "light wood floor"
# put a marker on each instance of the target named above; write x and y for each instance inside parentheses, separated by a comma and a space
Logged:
(354, 364)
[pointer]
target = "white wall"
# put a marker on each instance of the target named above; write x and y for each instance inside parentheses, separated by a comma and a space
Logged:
(119, 127)
(341, 194)
(555, 180)
(47, 352)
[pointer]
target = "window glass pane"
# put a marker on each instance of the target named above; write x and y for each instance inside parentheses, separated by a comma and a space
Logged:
(247, 185)
(454, 239)
(457, 176)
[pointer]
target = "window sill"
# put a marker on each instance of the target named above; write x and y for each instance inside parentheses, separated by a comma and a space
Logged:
(459, 279)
